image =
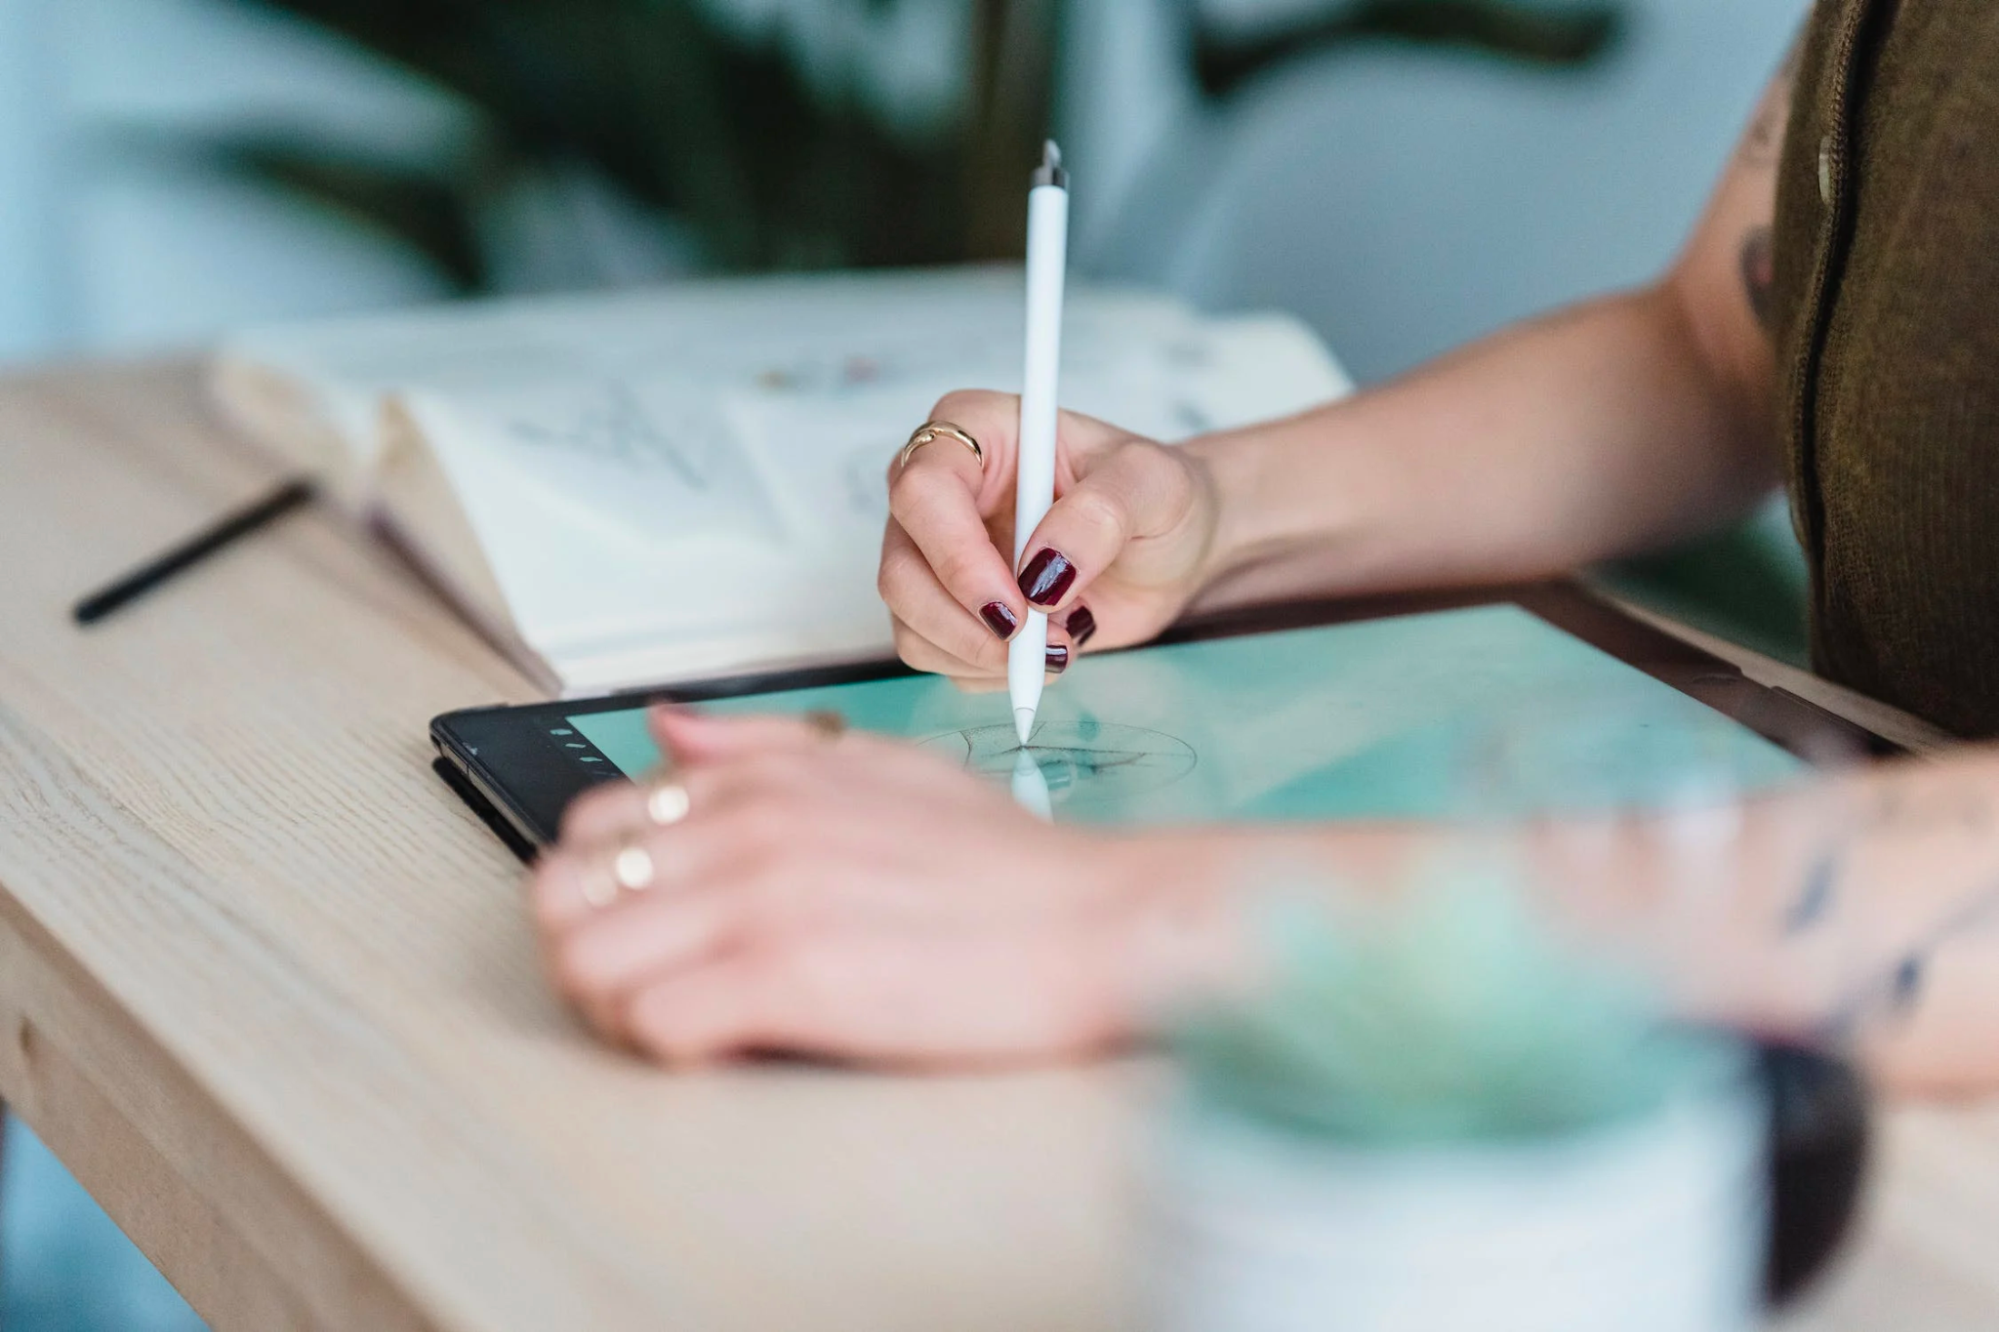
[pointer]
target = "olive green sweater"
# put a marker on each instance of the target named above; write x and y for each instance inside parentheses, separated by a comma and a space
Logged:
(1886, 303)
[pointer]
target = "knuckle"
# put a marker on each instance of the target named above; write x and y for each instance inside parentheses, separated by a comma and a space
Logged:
(981, 651)
(967, 402)
(902, 484)
(893, 576)
(958, 570)
(912, 648)
(919, 652)
(953, 650)
(1101, 513)
(1163, 477)
(908, 497)
(919, 492)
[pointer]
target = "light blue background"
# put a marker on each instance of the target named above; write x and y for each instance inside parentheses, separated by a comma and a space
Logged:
(63, 1263)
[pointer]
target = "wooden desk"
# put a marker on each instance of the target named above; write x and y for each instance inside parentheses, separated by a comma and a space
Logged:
(270, 992)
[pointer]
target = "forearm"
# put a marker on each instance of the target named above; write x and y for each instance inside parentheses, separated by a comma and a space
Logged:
(1875, 920)
(1862, 911)
(1597, 431)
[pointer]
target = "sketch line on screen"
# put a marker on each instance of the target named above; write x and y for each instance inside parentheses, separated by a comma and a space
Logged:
(1074, 754)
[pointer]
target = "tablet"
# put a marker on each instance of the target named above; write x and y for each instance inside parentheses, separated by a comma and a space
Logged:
(1324, 711)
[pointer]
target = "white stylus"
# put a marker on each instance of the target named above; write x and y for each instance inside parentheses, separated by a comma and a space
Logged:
(1047, 256)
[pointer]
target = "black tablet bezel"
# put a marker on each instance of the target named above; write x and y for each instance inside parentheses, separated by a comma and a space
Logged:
(524, 764)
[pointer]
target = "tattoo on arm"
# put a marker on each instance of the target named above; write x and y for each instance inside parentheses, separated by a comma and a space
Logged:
(1761, 147)
(1764, 142)
(1907, 982)
(1893, 989)
(1815, 899)
(1759, 273)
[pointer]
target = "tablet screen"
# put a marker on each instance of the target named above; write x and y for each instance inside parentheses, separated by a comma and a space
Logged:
(1375, 718)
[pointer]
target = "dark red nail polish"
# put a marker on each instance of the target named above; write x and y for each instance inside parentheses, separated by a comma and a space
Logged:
(1082, 625)
(1047, 576)
(1058, 657)
(999, 618)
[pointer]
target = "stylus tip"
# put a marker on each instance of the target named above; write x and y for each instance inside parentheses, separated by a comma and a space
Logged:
(1023, 723)
(1030, 786)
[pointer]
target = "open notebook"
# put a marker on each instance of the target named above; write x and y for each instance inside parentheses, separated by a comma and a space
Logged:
(647, 487)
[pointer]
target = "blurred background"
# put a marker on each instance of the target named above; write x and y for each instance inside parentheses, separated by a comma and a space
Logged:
(1402, 174)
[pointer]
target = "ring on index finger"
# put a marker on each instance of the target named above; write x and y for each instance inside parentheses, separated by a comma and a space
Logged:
(934, 430)
(666, 802)
(628, 869)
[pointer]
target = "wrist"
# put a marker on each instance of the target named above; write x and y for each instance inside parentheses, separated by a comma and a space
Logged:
(1228, 465)
(1177, 933)
(1283, 529)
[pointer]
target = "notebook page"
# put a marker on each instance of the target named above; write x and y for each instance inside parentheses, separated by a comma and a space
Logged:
(342, 368)
(568, 575)
(638, 463)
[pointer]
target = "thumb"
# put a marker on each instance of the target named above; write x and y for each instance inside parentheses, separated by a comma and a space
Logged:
(1137, 491)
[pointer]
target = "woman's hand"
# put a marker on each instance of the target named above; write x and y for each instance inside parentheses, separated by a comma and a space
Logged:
(1115, 560)
(853, 898)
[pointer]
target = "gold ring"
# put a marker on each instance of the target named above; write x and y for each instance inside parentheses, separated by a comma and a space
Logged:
(667, 802)
(931, 430)
(632, 868)
(828, 724)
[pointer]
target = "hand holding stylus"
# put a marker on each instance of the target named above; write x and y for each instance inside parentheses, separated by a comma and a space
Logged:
(954, 600)
(1118, 556)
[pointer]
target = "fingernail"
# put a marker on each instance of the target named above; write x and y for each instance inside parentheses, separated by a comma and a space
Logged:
(999, 618)
(1047, 576)
(1081, 625)
(1058, 657)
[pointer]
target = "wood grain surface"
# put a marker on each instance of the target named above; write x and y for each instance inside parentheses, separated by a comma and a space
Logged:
(270, 991)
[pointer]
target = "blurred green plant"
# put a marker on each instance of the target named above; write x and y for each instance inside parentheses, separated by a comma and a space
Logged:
(1451, 1013)
(718, 128)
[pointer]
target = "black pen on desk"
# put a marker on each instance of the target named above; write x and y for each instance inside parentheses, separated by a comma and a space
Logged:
(225, 531)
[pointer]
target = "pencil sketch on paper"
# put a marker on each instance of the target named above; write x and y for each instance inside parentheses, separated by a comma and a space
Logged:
(617, 428)
(652, 460)
(1105, 757)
